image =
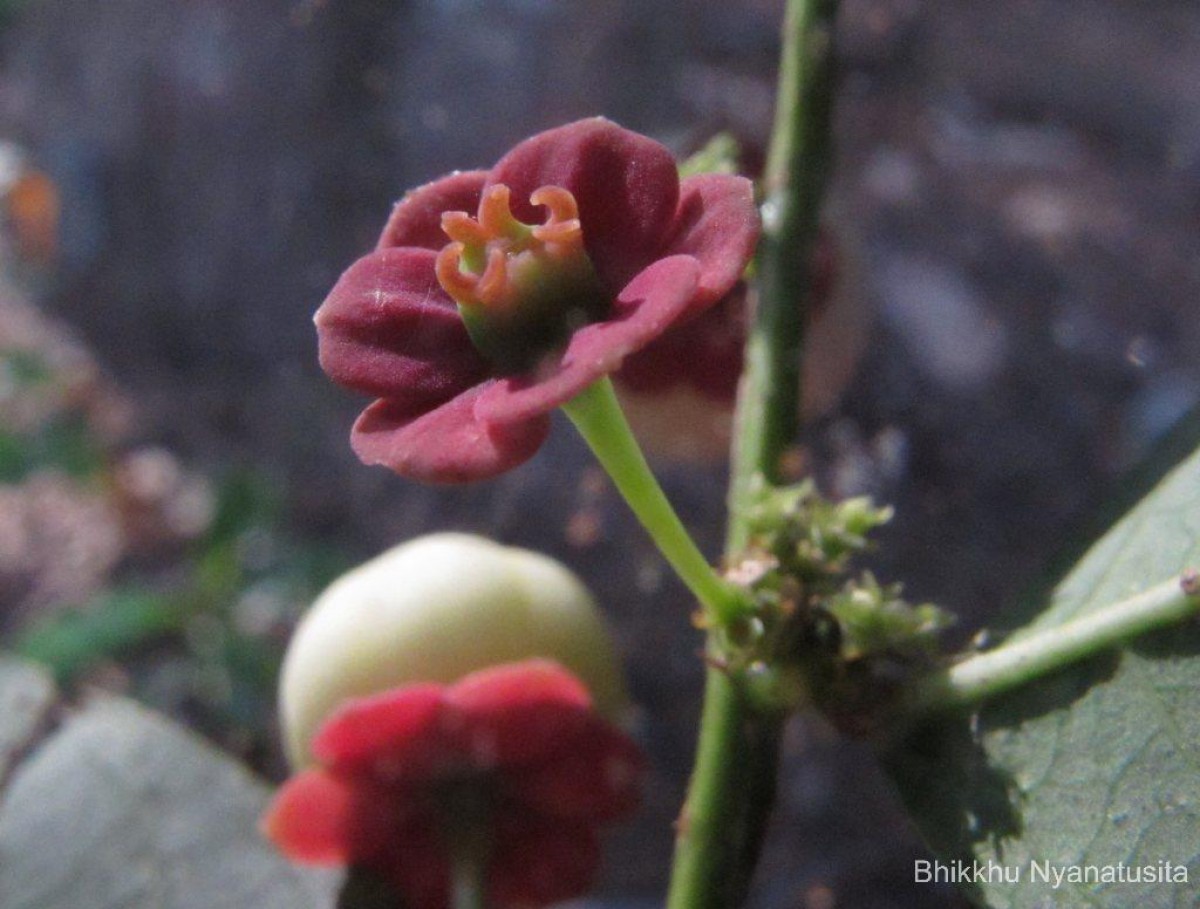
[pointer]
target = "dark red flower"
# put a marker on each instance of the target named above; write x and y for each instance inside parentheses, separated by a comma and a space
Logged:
(518, 744)
(545, 305)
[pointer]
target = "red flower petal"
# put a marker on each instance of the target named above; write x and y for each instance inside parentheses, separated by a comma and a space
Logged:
(416, 219)
(447, 444)
(397, 735)
(322, 819)
(644, 310)
(527, 730)
(704, 352)
(388, 329)
(627, 187)
(539, 861)
(519, 712)
(717, 222)
(597, 778)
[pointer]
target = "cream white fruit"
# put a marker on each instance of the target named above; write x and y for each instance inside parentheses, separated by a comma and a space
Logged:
(432, 610)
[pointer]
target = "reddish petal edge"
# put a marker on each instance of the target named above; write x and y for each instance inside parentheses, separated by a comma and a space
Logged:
(388, 330)
(651, 303)
(396, 734)
(717, 223)
(416, 220)
(448, 444)
(310, 819)
(626, 184)
(519, 713)
(534, 681)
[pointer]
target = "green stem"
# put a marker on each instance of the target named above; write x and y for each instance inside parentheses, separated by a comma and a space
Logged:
(793, 187)
(468, 886)
(467, 830)
(733, 783)
(1013, 664)
(597, 415)
(720, 830)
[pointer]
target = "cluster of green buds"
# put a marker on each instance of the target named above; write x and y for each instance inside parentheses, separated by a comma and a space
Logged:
(821, 633)
(811, 536)
(874, 618)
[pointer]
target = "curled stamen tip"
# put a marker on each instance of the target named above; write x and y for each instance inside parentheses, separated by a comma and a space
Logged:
(559, 201)
(558, 231)
(475, 268)
(492, 283)
(450, 276)
(495, 211)
(458, 225)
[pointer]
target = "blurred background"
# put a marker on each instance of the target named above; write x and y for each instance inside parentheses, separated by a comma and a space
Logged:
(1016, 218)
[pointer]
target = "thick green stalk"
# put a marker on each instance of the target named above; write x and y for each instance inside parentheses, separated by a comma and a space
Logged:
(733, 783)
(793, 188)
(721, 827)
(467, 889)
(597, 415)
(1027, 657)
(467, 829)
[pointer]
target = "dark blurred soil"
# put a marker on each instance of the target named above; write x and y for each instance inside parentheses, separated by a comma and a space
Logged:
(1018, 200)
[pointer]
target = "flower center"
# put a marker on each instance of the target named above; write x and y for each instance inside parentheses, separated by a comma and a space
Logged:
(521, 289)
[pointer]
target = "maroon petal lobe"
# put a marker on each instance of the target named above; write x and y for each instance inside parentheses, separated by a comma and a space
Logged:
(416, 219)
(650, 305)
(387, 329)
(448, 444)
(627, 187)
(322, 819)
(519, 713)
(598, 778)
(703, 352)
(538, 861)
(717, 222)
(397, 735)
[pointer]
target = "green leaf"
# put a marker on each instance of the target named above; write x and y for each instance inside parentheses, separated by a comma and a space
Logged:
(65, 444)
(119, 620)
(117, 808)
(1095, 767)
(24, 367)
(245, 500)
(718, 156)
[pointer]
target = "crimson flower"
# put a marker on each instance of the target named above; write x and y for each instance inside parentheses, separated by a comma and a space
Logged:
(515, 748)
(468, 330)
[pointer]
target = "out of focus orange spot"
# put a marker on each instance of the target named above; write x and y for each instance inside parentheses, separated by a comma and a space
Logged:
(33, 211)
